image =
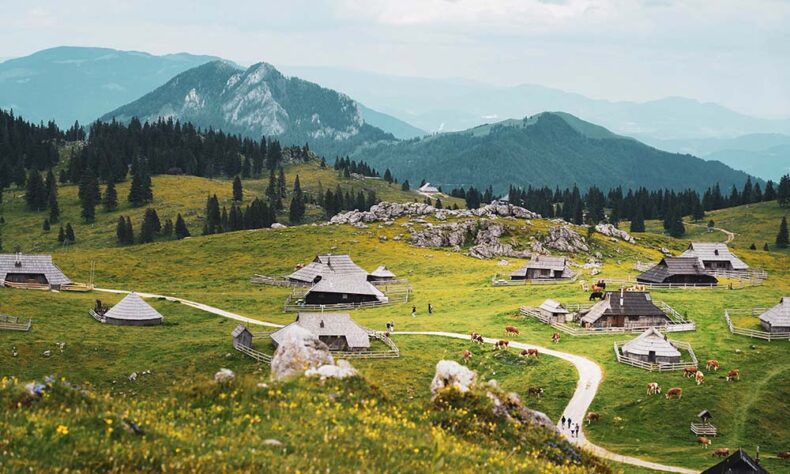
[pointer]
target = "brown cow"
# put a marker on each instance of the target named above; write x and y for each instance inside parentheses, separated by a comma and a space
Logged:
(555, 337)
(511, 330)
(675, 391)
(721, 452)
(689, 372)
(501, 344)
(699, 377)
(704, 441)
(784, 455)
(529, 352)
(476, 337)
(734, 374)
(467, 355)
(593, 416)
(653, 388)
(712, 364)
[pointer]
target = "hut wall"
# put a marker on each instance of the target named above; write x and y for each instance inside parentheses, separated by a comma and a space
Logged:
(619, 321)
(658, 359)
(717, 265)
(335, 343)
(768, 327)
(38, 278)
(316, 297)
(690, 279)
(244, 339)
(533, 273)
(127, 322)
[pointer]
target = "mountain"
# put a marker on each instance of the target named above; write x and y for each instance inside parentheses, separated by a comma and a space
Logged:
(75, 83)
(255, 102)
(457, 104)
(398, 128)
(548, 149)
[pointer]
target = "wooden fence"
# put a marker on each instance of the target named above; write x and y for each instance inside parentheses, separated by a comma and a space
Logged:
(677, 324)
(748, 277)
(13, 323)
(658, 367)
(671, 286)
(96, 316)
(496, 281)
(703, 429)
(753, 333)
(257, 355)
(399, 293)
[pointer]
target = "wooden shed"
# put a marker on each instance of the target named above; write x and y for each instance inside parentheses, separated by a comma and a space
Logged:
(623, 309)
(31, 271)
(344, 288)
(241, 336)
(336, 330)
(715, 256)
(737, 463)
(651, 346)
(678, 270)
(777, 319)
(133, 311)
(554, 310)
(381, 273)
(543, 267)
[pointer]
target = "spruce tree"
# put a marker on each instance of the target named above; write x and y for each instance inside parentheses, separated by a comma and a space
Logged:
(181, 228)
(765, 246)
(782, 238)
(752, 247)
(213, 222)
(45, 227)
(89, 195)
(61, 235)
(297, 208)
(638, 221)
(120, 231)
(70, 238)
(783, 192)
(238, 193)
(167, 228)
(54, 208)
(281, 186)
(110, 201)
(405, 185)
(676, 227)
(150, 226)
(271, 189)
(388, 175)
(129, 231)
(35, 192)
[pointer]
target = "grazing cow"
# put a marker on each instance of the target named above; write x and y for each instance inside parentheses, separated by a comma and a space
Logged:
(480, 339)
(653, 388)
(734, 374)
(704, 441)
(675, 391)
(501, 344)
(467, 355)
(784, 455)
(596, 295)
(529, 352)
(476, 337)
(593, 416)
(511, 330)
(555, 337)
(721, 452)
(689, 372)
(712, 364)
(699, 377)
(598, 288)
(538, 391)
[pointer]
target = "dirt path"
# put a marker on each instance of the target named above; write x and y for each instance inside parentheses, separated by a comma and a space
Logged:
(590, 376)
(730, 235)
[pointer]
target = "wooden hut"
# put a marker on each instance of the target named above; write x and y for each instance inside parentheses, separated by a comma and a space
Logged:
(132, 311)
(678, 270)
(324, 265)
(625, 309)
(382, 273)
(31, 271)
(241, 336)
(428, 189)
(777, 319)
(715, 256)
(651, 346)
(337, 330)
(737, 463)
(344, 288)
(554, 311)
(543, 267)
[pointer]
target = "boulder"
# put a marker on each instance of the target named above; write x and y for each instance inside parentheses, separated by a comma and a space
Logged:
(565, 239)
(224, 375)
(277, 225)
(612, 231)
(340, 371)
(450, 373)
(299, 352)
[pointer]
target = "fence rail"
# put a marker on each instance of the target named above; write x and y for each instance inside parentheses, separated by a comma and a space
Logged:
(753, 333)
(658, 367)
(748, 277)
(257, 355)
(96, 316)
(671, 286)
(495, 281)
(703, 429)
(674, 326)
(24, 286)
(13, 323)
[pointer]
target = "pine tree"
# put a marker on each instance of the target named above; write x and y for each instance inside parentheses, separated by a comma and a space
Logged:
(181, 228)
(120, 231)
(110, 201)
(70, 238)
(770, 193)
(752, 247)
(35, 193)
(271, 189)
(281, 186)
(388, 176)
(782, 238)
(238, 194)
(297, 208)
(129, 231)
(140, 191)
(150, 226)
(61, 235)
(213, 216)
(638, 221)
(783, 192)
(54, 208)
(89, 195)
(167, 228)
(45, 227)
(676, 227)
(405, 186)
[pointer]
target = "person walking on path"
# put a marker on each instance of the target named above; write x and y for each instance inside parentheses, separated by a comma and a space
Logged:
(430, 308)
(413, 311)
(562, 421)
(576, 431)
(569, 423)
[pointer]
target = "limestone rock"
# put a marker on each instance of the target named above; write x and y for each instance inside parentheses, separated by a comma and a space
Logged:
(224, 375)
(450, 373)
(565, 239)
(387, 211)
(340, 371)
(612, 231)
(277, 225)
(299, 352)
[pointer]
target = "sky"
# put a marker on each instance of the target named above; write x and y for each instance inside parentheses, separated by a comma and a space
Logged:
(732, 52)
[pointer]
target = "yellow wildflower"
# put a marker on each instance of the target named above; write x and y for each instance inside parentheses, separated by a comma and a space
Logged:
(64, 430)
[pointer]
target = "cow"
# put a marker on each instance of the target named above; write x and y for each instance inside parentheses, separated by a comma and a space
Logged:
(689, 372)
(501, 344)
(704, 441)
(476, 337)
(592, 416)
(467, 355)
(598, 288)
(596, 295)
(653, 388)
(511, 330)
(734, 374)
(783, 455)
(712, 364)
(529, 352)
(555, 337)
(674, 391)
(537, 391)
(721, 452)
(699, 377)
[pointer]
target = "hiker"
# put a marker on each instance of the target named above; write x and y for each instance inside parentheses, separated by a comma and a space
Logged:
(430, 308)
(576, 431)
(562, 421)
(413, 311)
(569, 423)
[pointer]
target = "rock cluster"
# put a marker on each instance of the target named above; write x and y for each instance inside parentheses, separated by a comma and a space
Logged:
(483, 235)
(612, 231)
(302, 353)
(561, 238)
(387, 211)
(450, 373)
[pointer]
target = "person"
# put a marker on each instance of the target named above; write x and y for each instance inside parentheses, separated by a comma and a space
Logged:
(562, 421)
(569, 423)
(413, 311)
(576, 431)
(430, 308)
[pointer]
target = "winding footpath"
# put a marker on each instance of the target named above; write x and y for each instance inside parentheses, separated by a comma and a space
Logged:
(590, 376)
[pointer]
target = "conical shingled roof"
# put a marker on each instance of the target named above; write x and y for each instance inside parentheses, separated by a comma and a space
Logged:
(651, 341)
(133, 308)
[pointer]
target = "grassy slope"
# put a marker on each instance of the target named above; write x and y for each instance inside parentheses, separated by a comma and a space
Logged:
(216, 270)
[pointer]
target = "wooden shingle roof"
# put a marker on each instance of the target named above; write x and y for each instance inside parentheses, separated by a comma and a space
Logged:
(133, 308)
(779, 315)
(382, 272)
(32, 264)
(651, 341)
(553, 306)
(714, 252)
(328, 324)
(352, 284)
(324, 264)
(737, 463)
(629, 303)
(670, 266)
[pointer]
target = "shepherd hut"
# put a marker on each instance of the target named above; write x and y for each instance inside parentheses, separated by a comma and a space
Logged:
(678, 270)
(737, 463)
(543, 267)
(349, 288)
(382, 273)
(132, 311)
(777, 319)
(336, 330)
(554, 311)
(428, 189)
(326, 264)
(36, 271)
(622, 308)
(651, 346)
(715, 256)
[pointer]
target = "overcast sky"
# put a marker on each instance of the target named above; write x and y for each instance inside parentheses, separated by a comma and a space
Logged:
(733, 52)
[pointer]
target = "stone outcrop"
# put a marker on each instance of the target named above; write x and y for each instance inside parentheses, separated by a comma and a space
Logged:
(299, 352)
(482, 235)
(450, 373)
(222, 376)
(564, 239)
(340, 371)
(612, 231)
(387, 211)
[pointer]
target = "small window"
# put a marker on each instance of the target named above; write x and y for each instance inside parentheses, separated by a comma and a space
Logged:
(345, 296)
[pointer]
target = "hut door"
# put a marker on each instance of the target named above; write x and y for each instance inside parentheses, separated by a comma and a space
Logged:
(651, 356)
(619, 321)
